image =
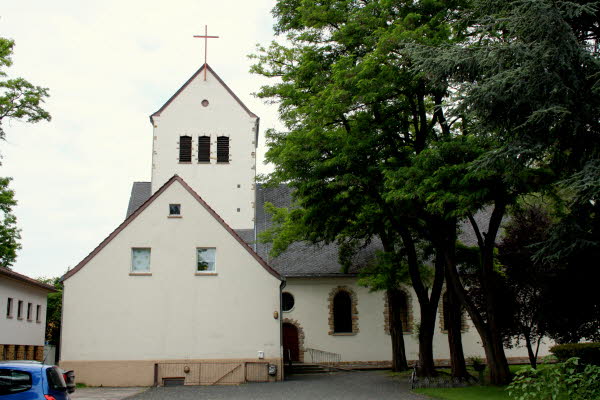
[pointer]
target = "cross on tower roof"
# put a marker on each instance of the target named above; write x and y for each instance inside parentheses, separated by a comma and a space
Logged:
(206, 37)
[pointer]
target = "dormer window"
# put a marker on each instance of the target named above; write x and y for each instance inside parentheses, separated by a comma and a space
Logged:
(174, 210)
(204, 149)
(185, 149)
(222, 149)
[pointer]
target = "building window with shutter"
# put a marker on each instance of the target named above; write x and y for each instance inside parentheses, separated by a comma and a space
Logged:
(185, 149)
(204, 149)
(222, 149)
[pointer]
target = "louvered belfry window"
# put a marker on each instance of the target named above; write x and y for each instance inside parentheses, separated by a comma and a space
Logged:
(222, 149)
(185, 149)
(204, 148)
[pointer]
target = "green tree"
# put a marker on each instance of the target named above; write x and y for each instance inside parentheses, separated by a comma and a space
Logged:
(19, 100)
(354, 109)
(526, 75)
(53, 311)
(9, 233)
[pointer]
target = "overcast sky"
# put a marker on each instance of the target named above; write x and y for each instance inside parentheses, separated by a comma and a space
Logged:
(108, 64)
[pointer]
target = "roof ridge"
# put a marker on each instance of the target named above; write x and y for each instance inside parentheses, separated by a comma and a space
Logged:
(128, 220)
(182, 88)
(10, 273)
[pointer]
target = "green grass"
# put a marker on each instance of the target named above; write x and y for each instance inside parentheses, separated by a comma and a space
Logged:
(467, 393)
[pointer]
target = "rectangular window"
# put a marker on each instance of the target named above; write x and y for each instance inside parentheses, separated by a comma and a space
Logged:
(175, 209)
(140, 260)
(9, 307)
(38, 313)
(206, 258)
(29, 311)
(20, 309)
(222, 149)
(185, 149)
(204, 148)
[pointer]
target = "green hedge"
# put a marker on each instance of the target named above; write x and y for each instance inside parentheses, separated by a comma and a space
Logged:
(588, 353)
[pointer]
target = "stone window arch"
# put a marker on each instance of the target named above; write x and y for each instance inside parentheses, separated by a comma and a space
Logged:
(442, 309)
(343, 311)
(406, 314)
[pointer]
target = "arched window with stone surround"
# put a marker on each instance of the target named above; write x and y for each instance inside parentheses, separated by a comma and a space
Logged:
(343, 312)
(444, 315)
(402, 300)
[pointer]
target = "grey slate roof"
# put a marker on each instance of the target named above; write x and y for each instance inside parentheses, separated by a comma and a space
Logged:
(140, 192)
(301, 259)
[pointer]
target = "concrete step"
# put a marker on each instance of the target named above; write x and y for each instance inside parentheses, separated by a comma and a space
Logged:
(302, 368)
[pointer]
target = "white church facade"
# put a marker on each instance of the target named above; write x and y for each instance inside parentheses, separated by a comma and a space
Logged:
(182, 291)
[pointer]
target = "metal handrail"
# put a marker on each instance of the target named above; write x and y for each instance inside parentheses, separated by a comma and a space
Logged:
(323, 357)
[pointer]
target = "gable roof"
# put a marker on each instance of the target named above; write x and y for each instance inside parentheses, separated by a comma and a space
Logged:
(303, 259)
(175, 178)
(5, 272)
(181, 89)
(140, 192)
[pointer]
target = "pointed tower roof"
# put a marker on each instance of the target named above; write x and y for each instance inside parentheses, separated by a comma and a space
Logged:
(182, 88)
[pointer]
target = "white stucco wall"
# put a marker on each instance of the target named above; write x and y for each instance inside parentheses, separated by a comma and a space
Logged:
(216, 183)
(21, 331)
(172, 314)
(371, 343)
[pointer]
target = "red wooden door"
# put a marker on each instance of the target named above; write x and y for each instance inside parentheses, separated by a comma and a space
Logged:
(291, 351)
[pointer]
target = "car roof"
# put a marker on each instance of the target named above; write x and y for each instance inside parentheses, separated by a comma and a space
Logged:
(23, 365)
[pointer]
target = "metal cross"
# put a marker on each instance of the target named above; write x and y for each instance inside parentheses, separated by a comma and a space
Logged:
(206, 37)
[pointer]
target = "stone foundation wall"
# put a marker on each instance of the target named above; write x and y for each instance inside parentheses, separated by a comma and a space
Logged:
(123, 373)
(21, 352)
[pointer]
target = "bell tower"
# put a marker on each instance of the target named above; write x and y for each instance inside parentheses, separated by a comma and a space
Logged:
(207, 136)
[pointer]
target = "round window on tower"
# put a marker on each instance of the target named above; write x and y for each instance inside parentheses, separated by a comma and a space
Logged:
(204, 103)
(287, 301)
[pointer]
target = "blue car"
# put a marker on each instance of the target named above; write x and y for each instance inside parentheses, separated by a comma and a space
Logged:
(30, 380)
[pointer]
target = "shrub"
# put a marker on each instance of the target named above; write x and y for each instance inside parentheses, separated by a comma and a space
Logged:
(588, 353)
(564, 380)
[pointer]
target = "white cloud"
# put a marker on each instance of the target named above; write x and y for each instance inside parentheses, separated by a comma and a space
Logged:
(108, 65)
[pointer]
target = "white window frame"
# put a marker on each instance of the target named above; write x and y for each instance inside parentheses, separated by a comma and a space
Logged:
(145, 272)
(207, 272)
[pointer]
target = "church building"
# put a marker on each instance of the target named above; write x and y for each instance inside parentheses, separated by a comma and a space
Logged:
(182, 292)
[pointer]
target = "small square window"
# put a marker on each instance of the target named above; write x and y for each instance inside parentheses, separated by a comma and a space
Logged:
(174, 209)
(206, 259)
(140, 260)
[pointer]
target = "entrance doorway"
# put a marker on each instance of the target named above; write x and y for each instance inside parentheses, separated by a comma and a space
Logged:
(291, 348)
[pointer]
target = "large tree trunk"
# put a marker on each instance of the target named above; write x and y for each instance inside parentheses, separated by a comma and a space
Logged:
(399, 362)
(428, 302)
(530, 353)
(453, 314)
(446, 249)
(487, 327)
(426, 364)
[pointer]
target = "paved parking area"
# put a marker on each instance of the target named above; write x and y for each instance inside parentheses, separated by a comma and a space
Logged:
(346, 385)
(107, 393)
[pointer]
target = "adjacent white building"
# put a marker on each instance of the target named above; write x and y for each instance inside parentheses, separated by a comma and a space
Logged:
(22, 316)
(181, 289)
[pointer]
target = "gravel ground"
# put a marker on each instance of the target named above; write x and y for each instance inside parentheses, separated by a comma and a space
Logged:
(346, 385)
